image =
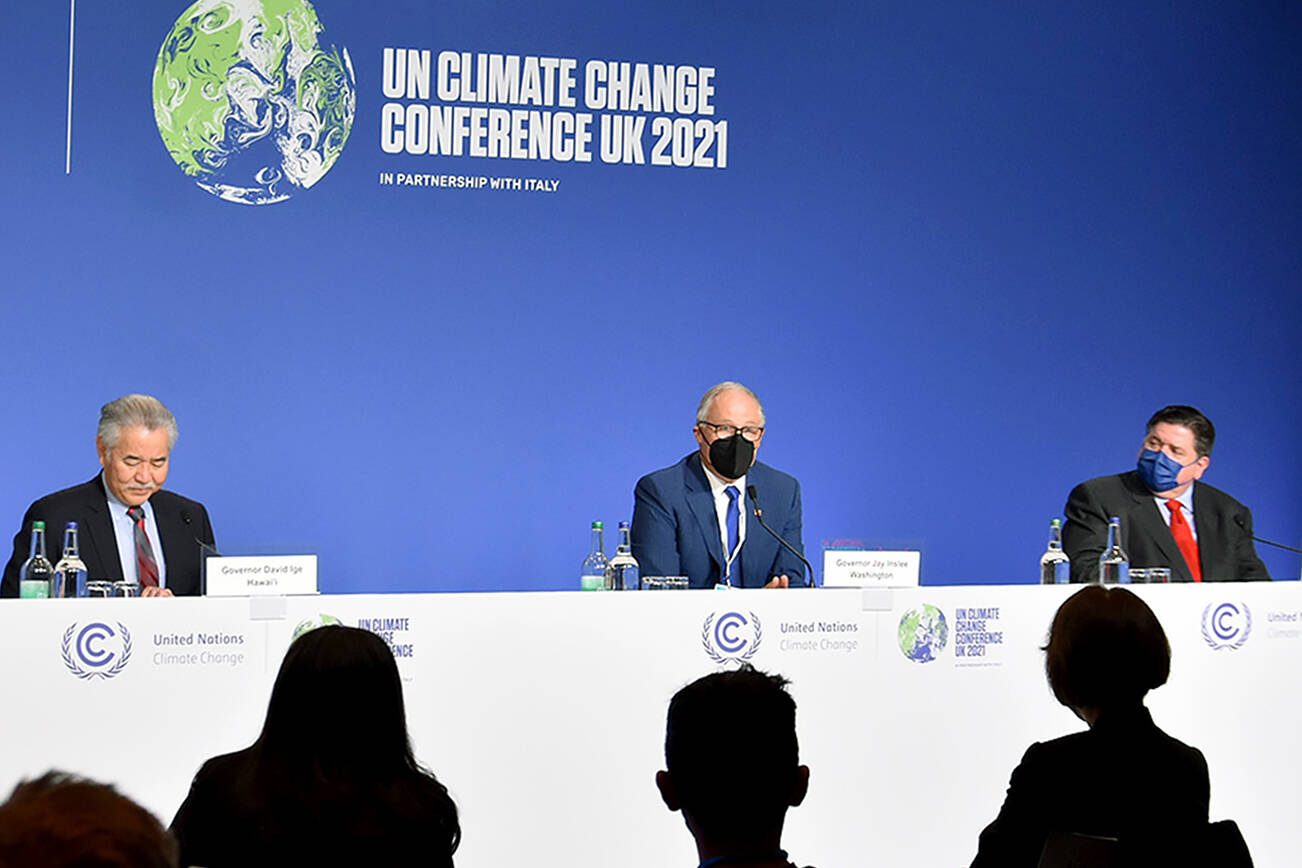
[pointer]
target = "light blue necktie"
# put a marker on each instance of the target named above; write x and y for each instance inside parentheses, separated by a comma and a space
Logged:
(732, 520)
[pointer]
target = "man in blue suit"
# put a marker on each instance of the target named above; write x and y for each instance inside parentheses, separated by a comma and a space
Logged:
(691, 519)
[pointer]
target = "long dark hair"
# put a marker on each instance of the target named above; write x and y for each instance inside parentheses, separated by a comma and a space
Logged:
(335, 743)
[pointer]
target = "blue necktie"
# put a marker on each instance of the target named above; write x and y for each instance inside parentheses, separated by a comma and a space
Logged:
(732, 520)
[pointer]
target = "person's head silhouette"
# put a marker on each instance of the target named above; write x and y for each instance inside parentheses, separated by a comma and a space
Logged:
(62, 821)
(732, 765)
(1106, 650)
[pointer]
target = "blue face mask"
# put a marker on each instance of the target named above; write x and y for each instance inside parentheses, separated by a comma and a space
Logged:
(1159, 471)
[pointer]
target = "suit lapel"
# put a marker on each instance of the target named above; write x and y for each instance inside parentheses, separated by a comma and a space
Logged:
(701, 502)
(98, 536)
(164, 521)
(1207, 524)
(760, 549)
(1149, 524)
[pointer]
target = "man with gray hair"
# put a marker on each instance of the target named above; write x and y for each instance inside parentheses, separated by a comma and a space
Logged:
(129, 528)
(691, 519)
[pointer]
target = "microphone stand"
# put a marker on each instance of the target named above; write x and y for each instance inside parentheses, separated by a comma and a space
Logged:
(759, 516)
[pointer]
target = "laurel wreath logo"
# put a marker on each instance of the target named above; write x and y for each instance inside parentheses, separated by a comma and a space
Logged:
(707, 642)
(75, 668)
(1236, 643)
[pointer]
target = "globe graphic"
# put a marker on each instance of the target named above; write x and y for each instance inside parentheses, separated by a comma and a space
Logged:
(307, 625)
(923, 633)
(251, 102)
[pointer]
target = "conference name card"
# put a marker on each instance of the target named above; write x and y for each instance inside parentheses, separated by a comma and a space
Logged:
(261, 575)
(844, 568)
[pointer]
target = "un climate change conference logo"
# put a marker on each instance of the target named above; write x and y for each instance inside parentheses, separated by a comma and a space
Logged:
(923, 633)
(250, 101)
(307, 625)
(731, 637)
(96, 651)
(1227, 625)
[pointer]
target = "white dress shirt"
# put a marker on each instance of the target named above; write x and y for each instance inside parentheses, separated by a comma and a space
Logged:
(719, 489)
(1186, 503)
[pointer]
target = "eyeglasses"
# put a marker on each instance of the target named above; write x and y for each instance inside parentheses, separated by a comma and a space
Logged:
(751, 433)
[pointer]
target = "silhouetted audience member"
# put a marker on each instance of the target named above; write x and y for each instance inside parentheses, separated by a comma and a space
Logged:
(62, 821)
(733, 766)
(331, 780)
(1123, 778)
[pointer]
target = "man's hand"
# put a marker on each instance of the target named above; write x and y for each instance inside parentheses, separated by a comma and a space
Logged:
(777, 582)
(156, 592)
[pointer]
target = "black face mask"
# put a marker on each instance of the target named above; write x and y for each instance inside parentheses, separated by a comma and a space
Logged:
(731, 456)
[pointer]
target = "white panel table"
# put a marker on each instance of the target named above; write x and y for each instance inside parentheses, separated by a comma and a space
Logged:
(544, 713)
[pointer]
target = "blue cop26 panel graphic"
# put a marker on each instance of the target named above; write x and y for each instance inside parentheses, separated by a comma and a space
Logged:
(96, 649)
(1226, 625)
(731, 637)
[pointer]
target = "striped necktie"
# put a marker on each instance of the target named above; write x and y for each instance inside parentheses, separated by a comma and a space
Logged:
(146, 566)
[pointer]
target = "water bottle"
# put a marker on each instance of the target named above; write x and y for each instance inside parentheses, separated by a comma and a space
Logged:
(623, 566)
(1114, 565)
(593, 576)
(70, 571)
(36, 576)
(1055, 566)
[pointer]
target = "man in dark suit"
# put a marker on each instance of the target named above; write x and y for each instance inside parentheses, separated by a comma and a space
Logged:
(1168, 517)
(129, 529)
(691, 519)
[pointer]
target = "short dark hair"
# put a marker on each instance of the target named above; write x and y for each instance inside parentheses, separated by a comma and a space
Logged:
(62, 821)
(1106, 649)
(731, 749)
(1204, 431)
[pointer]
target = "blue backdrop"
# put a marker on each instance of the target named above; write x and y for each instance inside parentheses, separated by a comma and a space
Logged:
(961, 251)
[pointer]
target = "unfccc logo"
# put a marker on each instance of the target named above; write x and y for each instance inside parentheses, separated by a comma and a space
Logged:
(731, 637)
(97, 650)
(1227, 625)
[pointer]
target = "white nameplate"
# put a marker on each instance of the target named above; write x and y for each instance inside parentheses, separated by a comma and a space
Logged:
(854, 568)
(261, 575)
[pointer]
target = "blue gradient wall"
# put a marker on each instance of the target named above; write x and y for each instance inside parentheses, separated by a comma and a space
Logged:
(961, 253)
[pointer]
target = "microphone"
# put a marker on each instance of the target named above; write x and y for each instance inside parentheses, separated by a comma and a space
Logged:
(205, 548)
(189, 522)
(1243, 526)
(759, 516)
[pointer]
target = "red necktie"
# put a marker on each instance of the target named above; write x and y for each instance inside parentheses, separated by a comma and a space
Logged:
(1184, 539)
(146, 566)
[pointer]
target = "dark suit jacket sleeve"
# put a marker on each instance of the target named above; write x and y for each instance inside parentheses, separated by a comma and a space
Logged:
(654, 533)
(202, 534)
(1085, 533)
(1245, 553)
(181, 543)
(788, 564)
(1016, 836)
